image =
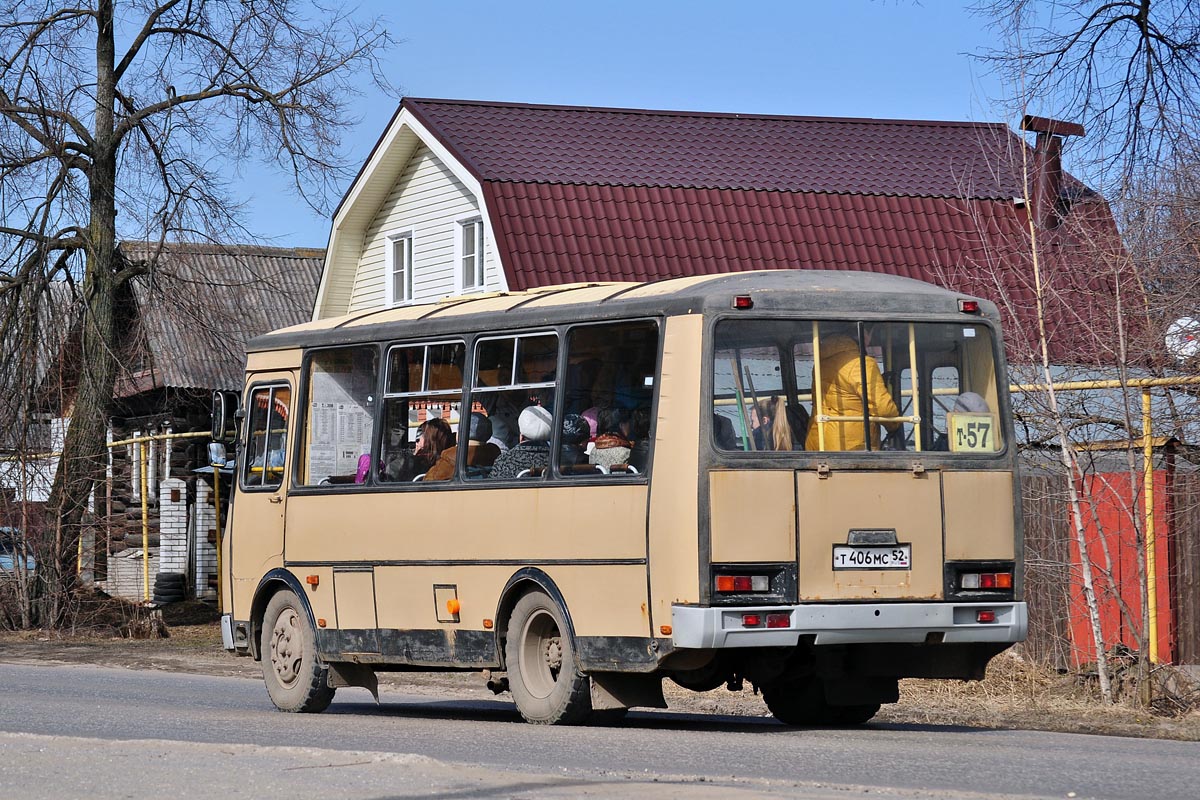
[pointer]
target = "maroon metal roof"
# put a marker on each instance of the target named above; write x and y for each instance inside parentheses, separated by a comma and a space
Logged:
(629, 147)
(579, 194)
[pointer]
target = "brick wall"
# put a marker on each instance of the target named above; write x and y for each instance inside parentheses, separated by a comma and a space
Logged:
(173, 525)
(206, 537)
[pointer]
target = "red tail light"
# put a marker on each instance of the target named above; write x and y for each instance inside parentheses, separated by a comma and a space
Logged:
(985, 616)
(779, 620)
(743, 583)
(751, 620)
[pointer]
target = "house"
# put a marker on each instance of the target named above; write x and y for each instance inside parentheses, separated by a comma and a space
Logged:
(185, 323)
(460, 197)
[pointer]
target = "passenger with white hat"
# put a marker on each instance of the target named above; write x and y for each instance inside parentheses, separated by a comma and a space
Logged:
(535, 424)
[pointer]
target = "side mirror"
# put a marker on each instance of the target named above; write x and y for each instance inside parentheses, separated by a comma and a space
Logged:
(224, 416)
(216, 454)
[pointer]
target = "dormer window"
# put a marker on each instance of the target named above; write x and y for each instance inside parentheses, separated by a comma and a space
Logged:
(400, 268)
(470, 250)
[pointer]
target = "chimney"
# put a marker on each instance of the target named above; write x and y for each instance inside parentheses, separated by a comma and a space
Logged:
(1047, 166)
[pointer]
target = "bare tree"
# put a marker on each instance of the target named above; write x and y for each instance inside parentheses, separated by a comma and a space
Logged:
(131, 118)
(1128, 71)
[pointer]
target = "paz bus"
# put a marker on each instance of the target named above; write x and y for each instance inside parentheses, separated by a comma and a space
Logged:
(812, 487)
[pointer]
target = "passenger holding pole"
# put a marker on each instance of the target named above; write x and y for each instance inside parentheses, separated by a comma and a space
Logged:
(847, 377)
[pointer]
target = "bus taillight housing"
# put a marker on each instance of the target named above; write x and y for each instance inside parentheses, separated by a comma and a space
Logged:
(742, 584)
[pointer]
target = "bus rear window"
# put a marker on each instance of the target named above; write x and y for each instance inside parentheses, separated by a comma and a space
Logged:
(865, 398)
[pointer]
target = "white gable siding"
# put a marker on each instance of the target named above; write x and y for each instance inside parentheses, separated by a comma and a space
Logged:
(428, 200)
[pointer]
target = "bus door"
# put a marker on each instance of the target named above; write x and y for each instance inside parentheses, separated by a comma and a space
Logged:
(258, 513)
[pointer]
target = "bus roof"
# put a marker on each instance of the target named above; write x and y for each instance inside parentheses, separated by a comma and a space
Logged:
(818, 292)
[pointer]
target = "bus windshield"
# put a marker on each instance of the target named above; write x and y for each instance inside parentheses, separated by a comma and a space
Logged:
(765, 371)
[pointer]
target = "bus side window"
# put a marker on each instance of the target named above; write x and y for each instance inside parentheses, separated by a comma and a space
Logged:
(340, 415)
(611, 375)
(514, 386)
(422, 412)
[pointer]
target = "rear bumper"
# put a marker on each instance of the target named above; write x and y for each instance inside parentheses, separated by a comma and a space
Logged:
(715, 628)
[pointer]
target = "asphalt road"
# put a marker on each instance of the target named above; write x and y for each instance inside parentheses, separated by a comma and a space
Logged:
(451, 748)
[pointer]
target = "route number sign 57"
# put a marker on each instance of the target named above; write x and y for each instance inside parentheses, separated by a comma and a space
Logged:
(973, 433)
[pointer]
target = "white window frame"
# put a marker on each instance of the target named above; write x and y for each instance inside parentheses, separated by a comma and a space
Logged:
(480, 269)
(394, 239)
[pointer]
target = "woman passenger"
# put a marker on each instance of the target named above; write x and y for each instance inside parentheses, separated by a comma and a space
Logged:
(612, 443)
(780, 426)
(534, 450)
(433, 436)
(575, 434)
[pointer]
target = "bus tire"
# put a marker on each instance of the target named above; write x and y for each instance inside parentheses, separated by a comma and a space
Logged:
(543, 673)
(296, 679)
(852, 715)
(799, 701)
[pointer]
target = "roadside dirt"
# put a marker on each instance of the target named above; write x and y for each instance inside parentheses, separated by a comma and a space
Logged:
(1015, 694)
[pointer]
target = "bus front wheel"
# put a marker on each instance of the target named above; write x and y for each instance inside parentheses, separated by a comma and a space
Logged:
(543, 673)
(296, 680)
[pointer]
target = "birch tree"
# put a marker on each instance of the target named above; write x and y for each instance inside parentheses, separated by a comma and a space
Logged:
(1128, 71)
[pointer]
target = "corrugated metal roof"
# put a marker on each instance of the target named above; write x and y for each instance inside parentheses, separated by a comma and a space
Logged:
(630, 147)
(200, 304)
(583, 194)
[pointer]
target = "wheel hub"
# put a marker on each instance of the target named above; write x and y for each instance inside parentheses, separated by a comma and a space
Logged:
(553, 653)
(285, 652)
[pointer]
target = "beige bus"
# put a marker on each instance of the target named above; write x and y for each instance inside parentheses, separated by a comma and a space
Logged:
(805, 480)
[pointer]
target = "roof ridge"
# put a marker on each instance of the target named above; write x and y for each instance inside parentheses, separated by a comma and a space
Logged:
(709, 114)
(216, 248)
(706, 187)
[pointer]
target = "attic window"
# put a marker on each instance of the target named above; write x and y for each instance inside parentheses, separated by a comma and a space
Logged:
(470, 249)
(400, 268)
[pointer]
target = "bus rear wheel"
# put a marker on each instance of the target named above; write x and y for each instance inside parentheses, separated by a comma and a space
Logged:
(801, 702)
(296, 679)
(543, 673)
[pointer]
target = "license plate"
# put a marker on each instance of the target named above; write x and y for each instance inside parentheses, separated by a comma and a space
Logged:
(892, 556)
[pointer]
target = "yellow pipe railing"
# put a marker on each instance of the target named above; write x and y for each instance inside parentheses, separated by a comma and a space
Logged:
(143, 466)
(1151, 559)
(1147, 437)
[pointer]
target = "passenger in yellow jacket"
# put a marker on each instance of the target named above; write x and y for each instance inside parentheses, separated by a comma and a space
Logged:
(841, 396)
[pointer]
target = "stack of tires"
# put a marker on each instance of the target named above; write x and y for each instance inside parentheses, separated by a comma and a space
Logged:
(170, 587)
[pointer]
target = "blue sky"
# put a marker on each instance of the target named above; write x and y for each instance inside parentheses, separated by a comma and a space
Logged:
(854, 58)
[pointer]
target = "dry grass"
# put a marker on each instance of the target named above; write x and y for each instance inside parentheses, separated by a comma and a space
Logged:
(1018, 694)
